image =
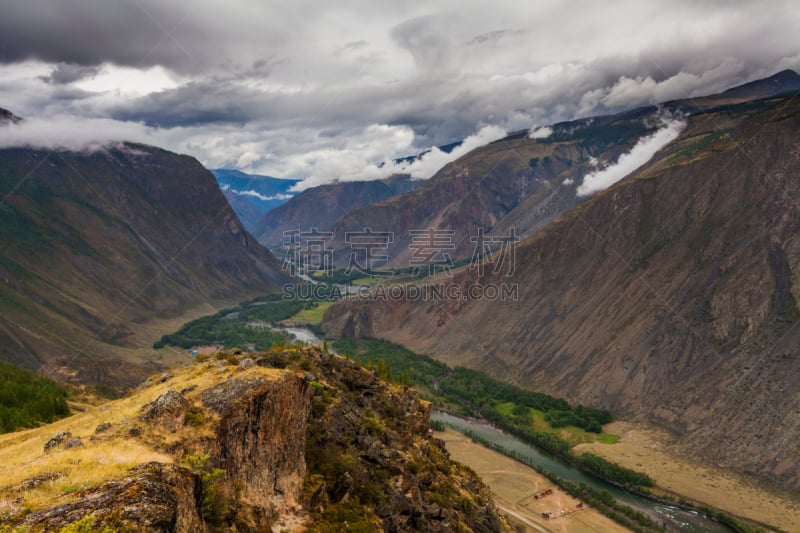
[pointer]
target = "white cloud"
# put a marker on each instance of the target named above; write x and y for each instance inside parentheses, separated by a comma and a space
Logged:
(350, 165)
(129, 81)
(354, 158)
(643, 90)
(68, 133)
(540, 132)
(431, 162)
(641, 153)
(260, 196)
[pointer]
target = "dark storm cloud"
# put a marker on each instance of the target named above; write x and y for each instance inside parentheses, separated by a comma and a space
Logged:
(66, 73)
(82, 32)
(201, 103)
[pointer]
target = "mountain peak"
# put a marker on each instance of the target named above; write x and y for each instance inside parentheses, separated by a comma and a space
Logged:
(8, 116)
(779, 83)
(785, 74)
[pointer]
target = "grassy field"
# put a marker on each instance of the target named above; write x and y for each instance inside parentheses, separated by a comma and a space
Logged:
(311, 316)
(367, 281)
(648, 449)
(514, 486)
(573, 435)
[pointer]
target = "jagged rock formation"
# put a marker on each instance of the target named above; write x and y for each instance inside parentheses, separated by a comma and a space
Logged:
(299, 439)
(371, 459)
(670, 297)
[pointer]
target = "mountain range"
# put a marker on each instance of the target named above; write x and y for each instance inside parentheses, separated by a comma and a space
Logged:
(670, 298)
(518, 181)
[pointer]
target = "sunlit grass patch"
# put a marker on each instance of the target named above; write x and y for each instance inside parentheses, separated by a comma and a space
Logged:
(313, 315)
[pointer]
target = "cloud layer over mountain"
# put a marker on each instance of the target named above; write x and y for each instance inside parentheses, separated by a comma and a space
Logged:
(330, 90)
(642, 152)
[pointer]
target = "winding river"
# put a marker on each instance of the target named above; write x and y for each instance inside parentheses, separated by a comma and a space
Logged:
(674, 518)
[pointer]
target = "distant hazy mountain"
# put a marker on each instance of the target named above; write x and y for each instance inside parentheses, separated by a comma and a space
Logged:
(320, 207)
(252, 195)
(101, 253)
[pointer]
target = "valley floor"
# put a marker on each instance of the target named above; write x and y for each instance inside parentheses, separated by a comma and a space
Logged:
(514, 486)
(648, 450)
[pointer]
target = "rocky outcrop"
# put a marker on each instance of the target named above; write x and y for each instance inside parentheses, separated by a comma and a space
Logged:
(57, 440)
(260, 441)
(155, 498)
(371, 458)
(313, 440)
(167, 411)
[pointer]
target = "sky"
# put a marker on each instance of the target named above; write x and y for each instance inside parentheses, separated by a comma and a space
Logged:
(330, 90)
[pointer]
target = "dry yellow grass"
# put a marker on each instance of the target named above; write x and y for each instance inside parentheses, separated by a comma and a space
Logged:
(105, 456)
(647, 449)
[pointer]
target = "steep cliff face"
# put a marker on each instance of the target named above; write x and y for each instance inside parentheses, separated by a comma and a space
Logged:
(237, 448)
(100, 248)
(671, 297)
(259, 442)
(277, 441)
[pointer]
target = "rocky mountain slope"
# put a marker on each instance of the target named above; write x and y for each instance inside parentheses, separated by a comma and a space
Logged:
(252, 195)
(284, 440)
(320, 207)
(98, 250)
(671, 297)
